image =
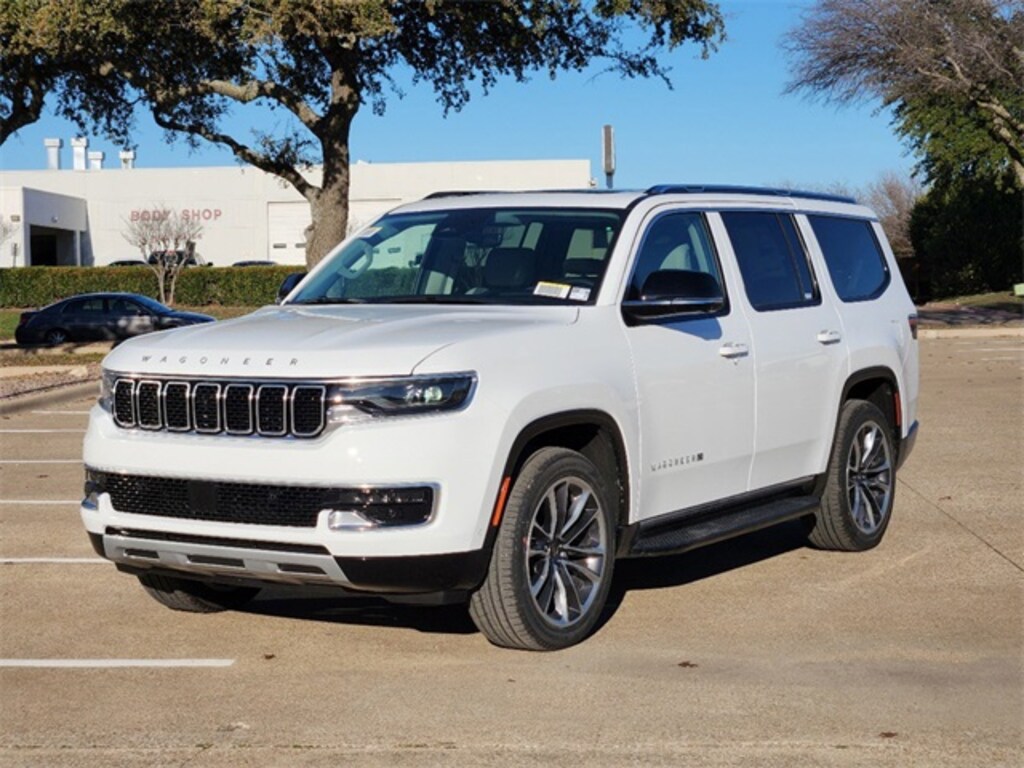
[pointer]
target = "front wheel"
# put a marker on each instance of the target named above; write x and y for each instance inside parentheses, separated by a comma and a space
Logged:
(195, 596)
(861, 482)
(552, 564)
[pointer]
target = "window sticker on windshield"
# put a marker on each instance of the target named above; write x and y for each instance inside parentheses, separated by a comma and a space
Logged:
(552, 290)
(368, 232)
(579, 294)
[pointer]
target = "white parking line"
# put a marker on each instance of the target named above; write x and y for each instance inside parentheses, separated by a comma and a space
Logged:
(113, 663)
(53, 561)
(40, 461)
(55, 502)
(39, 431)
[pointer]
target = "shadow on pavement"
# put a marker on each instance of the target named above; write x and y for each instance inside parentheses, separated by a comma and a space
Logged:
(327, 605)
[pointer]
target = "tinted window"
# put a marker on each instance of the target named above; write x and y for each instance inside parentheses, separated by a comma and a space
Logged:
(675, 241)
(84, 305)
(771, 258)
(125, 307)
(853, 257)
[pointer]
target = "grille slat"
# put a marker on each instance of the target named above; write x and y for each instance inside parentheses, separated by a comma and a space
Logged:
(221, 407)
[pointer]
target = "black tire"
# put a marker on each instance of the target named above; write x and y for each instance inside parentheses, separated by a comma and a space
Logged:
(195, 596)
(553, 559)
(861, 482)
(56, 337)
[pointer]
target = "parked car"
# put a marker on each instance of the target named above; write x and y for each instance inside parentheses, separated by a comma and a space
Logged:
(553, 382)
(127, 263)
(172, 258)
(254, 263)
(100, 316)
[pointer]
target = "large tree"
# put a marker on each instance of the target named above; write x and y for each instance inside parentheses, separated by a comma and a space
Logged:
(318, 62)
(946, 66)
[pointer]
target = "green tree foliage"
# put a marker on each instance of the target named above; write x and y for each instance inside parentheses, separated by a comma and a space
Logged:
(317, 63)
(952, 69)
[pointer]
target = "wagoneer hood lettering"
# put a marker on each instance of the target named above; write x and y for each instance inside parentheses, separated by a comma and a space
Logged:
(324, 342)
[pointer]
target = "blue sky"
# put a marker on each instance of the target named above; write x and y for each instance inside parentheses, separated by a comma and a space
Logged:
(727, 121)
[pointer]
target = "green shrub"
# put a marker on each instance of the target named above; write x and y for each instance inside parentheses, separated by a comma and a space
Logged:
(232, 286)
(967, 236)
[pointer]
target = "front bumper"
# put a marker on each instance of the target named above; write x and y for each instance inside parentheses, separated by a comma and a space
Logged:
(239, 561)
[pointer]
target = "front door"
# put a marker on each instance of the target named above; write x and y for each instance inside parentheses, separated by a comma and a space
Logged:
(695, 380)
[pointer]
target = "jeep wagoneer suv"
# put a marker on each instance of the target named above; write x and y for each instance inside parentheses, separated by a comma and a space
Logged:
(493, 397)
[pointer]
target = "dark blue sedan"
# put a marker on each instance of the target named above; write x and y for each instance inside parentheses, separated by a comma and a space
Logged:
(100, 317)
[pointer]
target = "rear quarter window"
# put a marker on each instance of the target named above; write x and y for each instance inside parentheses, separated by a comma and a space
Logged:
(853, 256)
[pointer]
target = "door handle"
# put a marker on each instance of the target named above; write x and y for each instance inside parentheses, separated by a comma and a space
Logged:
(829, 337)
(732, 351)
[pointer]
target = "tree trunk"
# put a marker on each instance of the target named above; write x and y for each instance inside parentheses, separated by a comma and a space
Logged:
(329, 209)
(329, 204)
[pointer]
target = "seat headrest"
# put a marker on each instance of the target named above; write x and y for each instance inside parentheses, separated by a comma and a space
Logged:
(510, 268)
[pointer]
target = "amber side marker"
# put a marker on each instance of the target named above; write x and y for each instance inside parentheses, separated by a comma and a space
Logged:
(499, 508)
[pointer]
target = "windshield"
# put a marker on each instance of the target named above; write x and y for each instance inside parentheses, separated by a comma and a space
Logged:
(471, 256)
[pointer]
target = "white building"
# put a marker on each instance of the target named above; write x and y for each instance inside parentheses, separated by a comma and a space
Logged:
(78, 216)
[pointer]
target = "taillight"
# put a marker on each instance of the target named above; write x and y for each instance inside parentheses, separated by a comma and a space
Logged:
(24, 317)
(912, 320)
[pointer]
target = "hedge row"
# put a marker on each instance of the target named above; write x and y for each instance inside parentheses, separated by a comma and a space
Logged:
(229, 286)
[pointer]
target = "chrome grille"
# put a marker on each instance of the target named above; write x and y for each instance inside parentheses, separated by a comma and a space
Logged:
(221, 407)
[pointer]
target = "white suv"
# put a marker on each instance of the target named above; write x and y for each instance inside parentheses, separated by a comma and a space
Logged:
(493, 397)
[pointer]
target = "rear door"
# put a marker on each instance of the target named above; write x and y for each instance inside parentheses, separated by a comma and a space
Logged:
(799, 351)
(695, 379)
(84, 319)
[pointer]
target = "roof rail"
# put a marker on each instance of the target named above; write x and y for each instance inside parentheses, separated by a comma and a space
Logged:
(697, 189)
(459, 193)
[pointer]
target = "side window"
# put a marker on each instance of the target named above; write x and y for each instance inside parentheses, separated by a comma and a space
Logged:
(771, 258)
(854, 259)
(675, 241)
(84, 305)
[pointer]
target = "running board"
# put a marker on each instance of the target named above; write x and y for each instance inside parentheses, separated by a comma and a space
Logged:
(662, 537)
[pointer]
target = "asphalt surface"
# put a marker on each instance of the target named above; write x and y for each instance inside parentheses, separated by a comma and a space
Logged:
(755, 652)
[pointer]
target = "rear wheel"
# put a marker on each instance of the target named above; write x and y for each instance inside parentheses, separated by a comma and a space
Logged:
(552, 564)
(56, 336)
(195, 596)
(861, 483)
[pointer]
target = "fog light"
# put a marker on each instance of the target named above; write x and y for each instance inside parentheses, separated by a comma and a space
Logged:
(347, 520)
(91, 491)
(380, 508)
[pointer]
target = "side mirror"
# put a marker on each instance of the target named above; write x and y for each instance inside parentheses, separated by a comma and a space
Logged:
(288, 285)
(668, 293)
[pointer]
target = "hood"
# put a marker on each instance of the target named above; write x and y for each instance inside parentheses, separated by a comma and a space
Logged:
(324, 342)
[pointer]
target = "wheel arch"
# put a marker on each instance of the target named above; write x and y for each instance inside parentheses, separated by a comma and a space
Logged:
(877, 385)
(593, 433)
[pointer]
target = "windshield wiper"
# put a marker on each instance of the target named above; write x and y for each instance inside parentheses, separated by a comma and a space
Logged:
(428, 299)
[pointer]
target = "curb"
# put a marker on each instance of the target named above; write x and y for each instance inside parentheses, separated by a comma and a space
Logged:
(972, 332)
(62, 393)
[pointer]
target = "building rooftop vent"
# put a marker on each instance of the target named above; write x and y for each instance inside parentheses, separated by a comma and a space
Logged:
(53, 153)
(78, 147)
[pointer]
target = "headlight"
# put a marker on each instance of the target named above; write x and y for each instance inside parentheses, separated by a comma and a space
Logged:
(106, 398)
(404, 396)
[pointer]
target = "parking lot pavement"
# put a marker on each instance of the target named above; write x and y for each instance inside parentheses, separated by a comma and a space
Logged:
(755, 652)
